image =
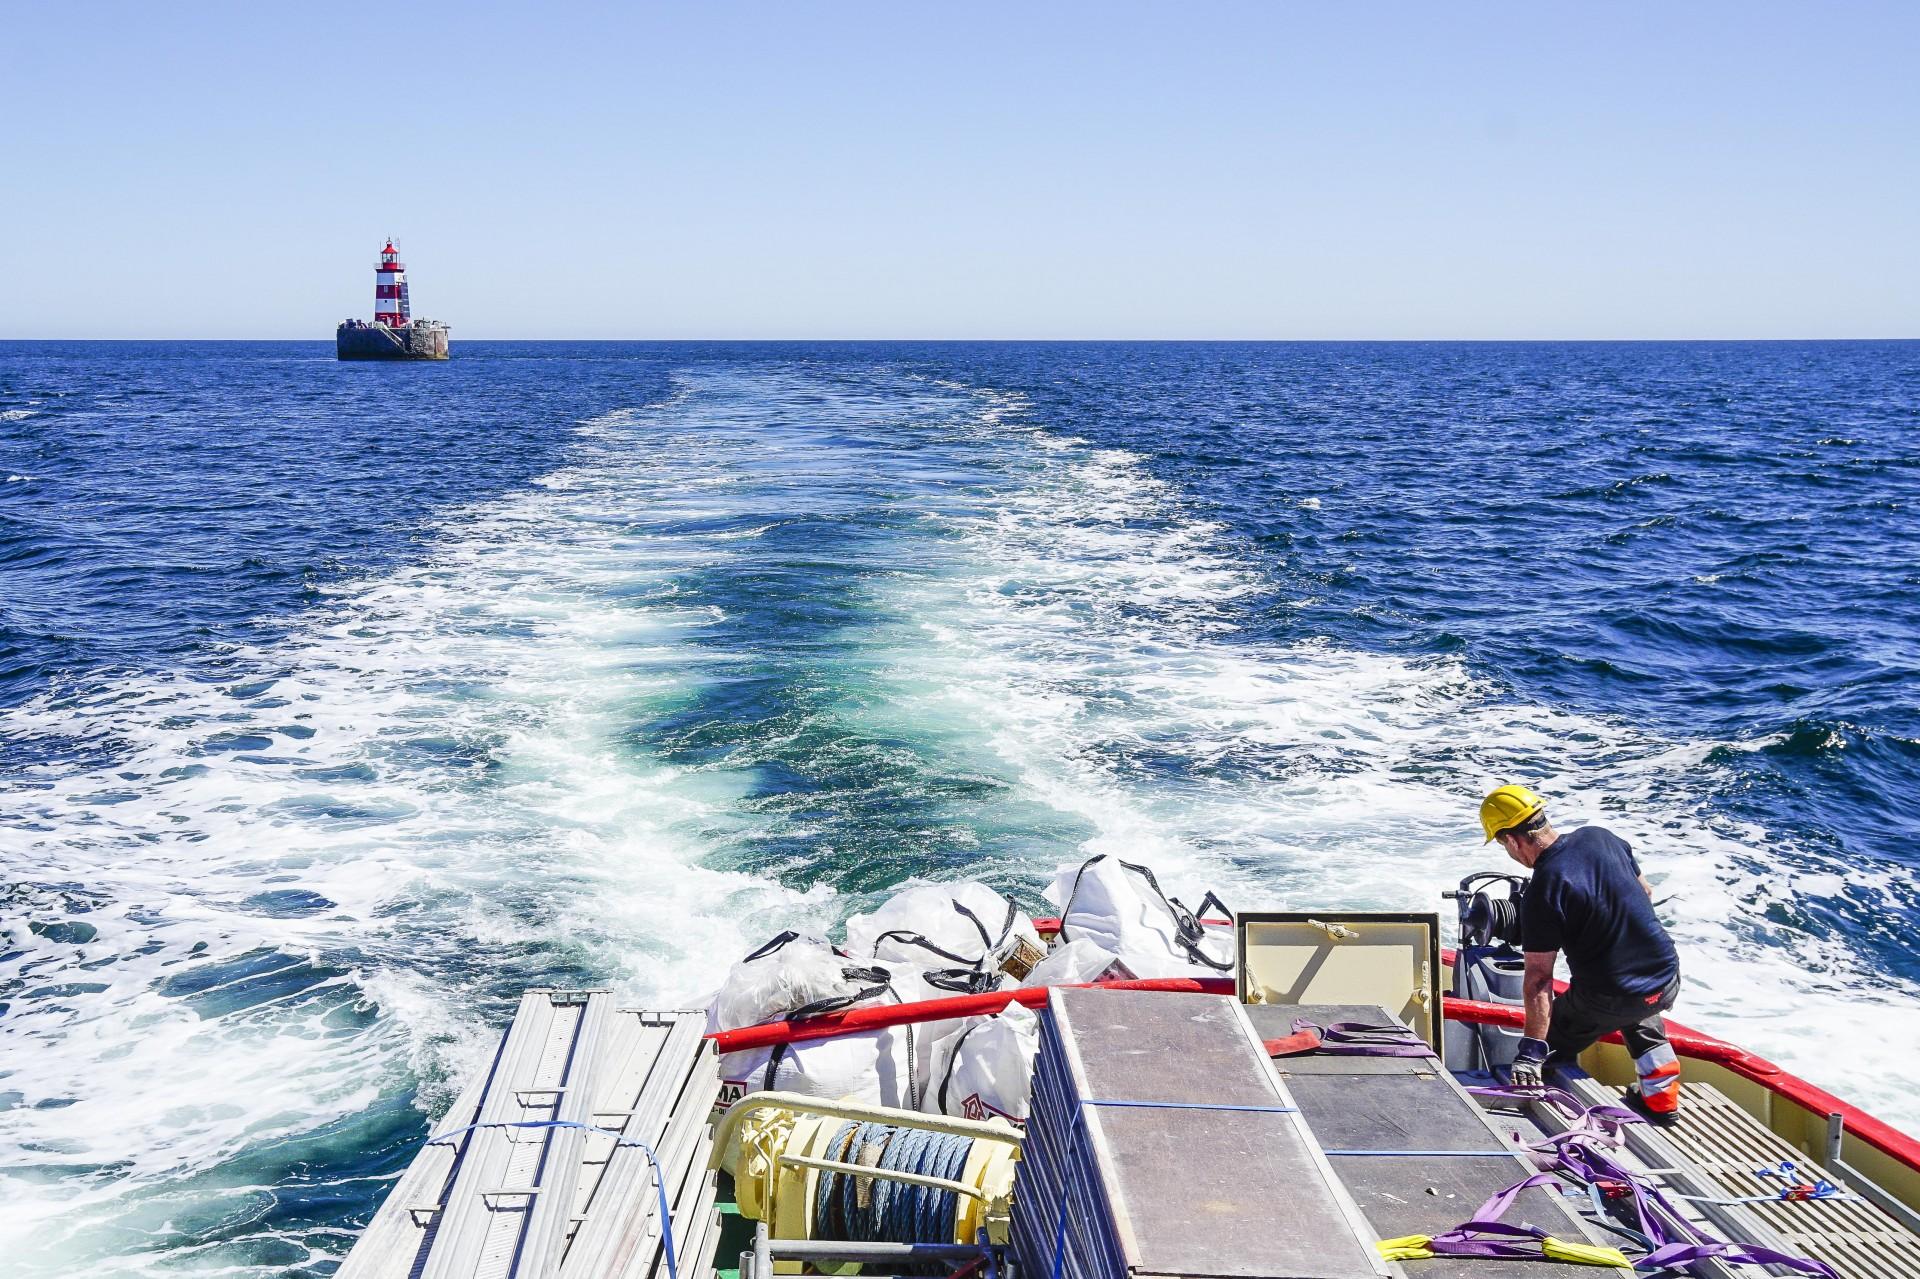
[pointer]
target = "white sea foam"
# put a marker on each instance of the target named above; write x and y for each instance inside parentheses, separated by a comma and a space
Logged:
(1078, 630)
(442, 758)
(437, 760)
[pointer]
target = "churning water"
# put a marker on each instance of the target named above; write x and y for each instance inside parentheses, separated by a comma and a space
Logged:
(340, 702)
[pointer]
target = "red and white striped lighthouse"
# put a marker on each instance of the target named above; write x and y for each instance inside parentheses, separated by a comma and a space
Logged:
(390, 289)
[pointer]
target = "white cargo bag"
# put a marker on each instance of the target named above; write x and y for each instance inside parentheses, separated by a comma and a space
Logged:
(960, 927)
(1119, 905)
(1077, 961)
(870, 1067)
(794, 976)
(988, 1068)
(790, 972)
(913, 984)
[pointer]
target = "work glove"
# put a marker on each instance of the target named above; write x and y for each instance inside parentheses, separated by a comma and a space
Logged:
(1527, 1061)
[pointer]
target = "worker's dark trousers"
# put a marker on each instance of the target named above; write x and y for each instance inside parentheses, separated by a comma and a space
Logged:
(1580, 1019)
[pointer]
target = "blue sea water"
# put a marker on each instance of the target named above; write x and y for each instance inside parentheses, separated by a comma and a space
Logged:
(338, 702)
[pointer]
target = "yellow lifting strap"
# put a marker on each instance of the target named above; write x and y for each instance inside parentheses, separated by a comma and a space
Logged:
(1583, 1254)
(1405, 1248)
(1418, 1248)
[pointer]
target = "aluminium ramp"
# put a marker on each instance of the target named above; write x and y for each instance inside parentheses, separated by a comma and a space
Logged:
(1161, 1143)
(551, 1199)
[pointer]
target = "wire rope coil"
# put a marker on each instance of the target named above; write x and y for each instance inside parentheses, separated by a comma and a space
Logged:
(878, 1209)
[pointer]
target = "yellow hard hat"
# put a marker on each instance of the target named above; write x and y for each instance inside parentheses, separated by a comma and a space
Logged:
(1507, 807)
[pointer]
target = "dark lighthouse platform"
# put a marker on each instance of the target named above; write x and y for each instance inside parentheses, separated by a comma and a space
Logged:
(393, 334)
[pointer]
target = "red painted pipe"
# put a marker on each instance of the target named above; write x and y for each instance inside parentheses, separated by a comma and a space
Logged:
(879, 1017)
(1687, 1041)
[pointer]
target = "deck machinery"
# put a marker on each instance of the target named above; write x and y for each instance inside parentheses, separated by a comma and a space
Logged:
(1302, 1127)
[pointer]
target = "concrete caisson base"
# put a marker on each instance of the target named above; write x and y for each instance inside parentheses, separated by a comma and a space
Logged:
(379, 342)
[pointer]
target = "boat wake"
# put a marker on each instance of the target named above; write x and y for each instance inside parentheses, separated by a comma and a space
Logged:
(757, 653)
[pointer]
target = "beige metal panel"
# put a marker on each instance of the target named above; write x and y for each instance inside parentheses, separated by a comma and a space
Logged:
(1392, 960)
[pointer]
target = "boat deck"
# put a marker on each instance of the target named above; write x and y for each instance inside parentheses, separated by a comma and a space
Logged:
(545, 1166)
(1715, 1152)
(1414, 1149)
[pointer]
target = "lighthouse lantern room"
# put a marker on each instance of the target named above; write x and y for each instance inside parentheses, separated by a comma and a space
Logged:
(390, 289)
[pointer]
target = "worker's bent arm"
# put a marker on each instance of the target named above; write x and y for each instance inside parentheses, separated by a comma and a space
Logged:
(1537, 992)
(1644, 884)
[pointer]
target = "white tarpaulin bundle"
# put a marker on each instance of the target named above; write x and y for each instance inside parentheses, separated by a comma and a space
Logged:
(988, 1067)
(791, 972)
(1119, 906)
(794, 977)
(961, 928)
(939, 940)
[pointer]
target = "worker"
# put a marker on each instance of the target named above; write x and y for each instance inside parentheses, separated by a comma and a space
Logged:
(1589, 899)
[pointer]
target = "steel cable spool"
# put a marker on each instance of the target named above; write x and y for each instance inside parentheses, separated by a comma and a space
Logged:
(878, 1210)
(843, 1171)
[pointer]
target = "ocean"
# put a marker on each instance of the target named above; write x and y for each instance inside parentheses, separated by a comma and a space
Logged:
(338, 702)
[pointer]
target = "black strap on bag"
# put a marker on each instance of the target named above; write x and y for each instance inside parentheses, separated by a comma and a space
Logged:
(1200, 911)
(772, 945)
(989, 946)
(1189, 932)
(947, 1078)
(881, 984)
(963, 981)
(911, 938)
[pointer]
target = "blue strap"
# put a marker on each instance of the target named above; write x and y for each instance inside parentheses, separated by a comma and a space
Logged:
(1431, 1154)
(619, 1139)
(1193, 1105)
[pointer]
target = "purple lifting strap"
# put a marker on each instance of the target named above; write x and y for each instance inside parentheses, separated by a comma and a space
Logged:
(1359, 1039)
(1675, 1240)
(1490, 1237)
(1682, 1254)
(1469, 1239)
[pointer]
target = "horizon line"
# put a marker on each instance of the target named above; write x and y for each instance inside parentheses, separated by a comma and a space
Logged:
(1029, 341)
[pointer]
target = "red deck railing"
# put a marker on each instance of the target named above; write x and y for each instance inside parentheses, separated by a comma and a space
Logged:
(1687, 1041)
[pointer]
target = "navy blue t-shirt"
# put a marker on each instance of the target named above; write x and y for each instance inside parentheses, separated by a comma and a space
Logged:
(1586, 900)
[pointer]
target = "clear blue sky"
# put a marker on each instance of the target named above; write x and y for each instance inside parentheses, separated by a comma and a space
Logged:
(966, 169)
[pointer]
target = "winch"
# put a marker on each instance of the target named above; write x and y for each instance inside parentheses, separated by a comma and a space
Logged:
(1487, 965)
(1486, 920)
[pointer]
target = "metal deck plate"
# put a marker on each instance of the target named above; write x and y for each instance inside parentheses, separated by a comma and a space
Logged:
(1413, 1104)
(561, 1201)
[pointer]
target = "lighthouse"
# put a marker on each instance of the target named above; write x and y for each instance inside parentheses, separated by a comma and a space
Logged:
(394, 333)
(390, 289)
